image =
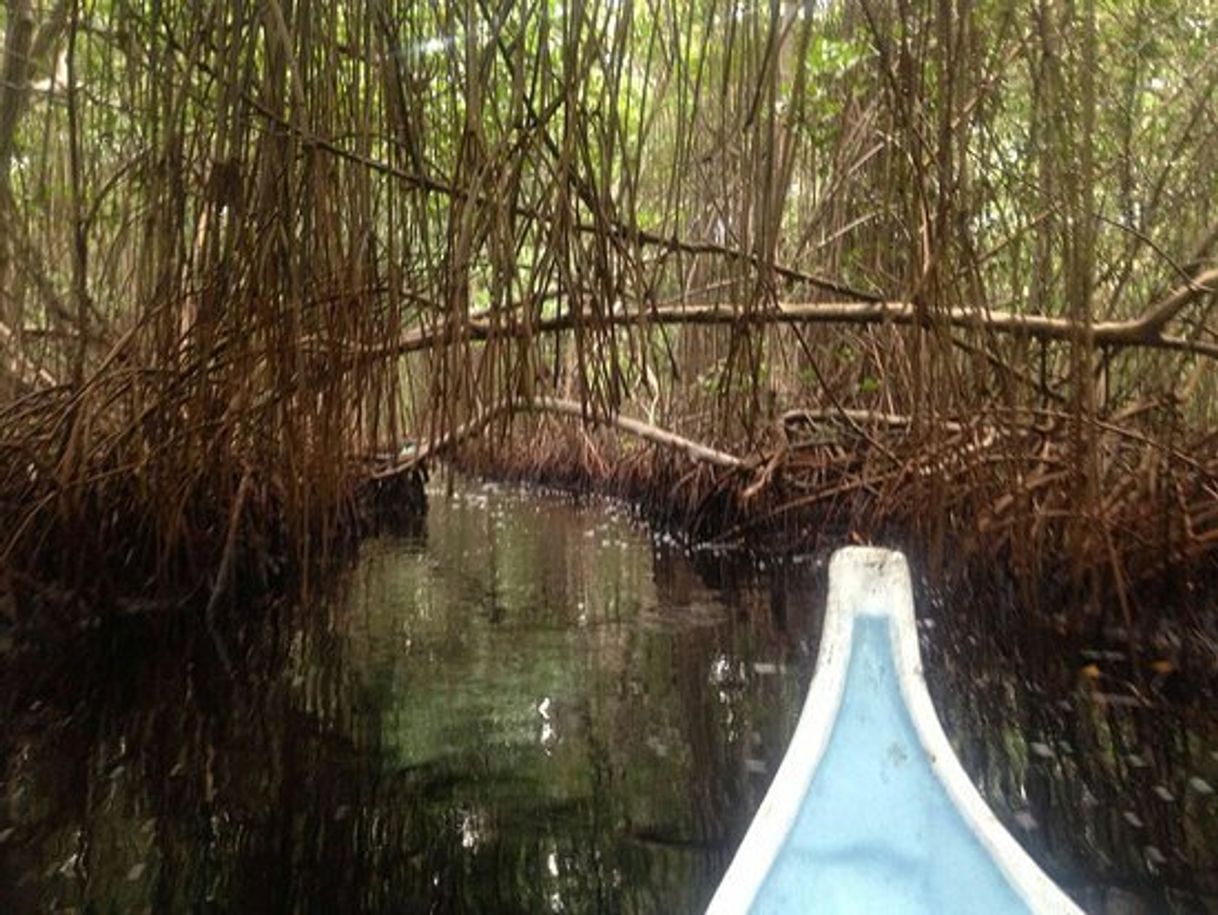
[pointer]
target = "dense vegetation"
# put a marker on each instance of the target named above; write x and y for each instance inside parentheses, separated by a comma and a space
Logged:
(946, 267)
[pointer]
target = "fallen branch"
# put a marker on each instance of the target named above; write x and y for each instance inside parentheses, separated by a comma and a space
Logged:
(411, 458)
(1146, 331)
(697, 452)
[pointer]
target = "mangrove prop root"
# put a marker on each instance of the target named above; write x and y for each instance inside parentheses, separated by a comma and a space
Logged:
(1004, 483)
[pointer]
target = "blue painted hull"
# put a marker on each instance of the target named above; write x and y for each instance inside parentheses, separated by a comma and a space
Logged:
(870, 811)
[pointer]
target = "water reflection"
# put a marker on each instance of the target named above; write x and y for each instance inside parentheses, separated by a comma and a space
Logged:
(535, 706)
(539, 709)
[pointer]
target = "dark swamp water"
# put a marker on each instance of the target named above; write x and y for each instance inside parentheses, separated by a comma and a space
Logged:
(539, 706)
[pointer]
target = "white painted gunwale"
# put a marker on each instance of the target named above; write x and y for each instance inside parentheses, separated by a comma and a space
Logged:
(868, 581)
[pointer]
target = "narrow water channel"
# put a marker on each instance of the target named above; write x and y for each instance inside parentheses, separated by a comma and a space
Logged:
(533, 705)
